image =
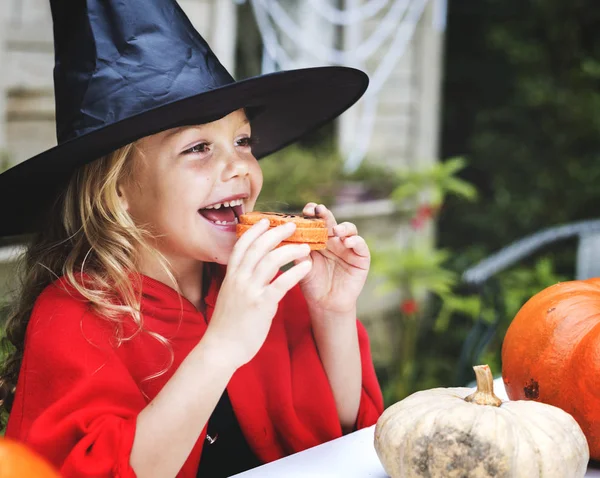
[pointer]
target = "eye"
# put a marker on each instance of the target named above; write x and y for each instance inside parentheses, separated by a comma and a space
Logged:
(246, 142)
(198, 148)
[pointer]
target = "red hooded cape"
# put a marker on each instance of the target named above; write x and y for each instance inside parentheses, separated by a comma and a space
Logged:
(78, 395)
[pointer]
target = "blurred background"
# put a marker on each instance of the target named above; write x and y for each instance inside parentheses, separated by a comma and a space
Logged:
(480, 127)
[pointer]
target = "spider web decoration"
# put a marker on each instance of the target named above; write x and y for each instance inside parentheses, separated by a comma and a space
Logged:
(397, 27)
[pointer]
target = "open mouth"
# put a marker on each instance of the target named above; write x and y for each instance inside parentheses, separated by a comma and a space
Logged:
(225, 213)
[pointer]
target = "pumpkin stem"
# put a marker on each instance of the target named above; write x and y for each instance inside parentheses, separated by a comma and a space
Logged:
(485, 388)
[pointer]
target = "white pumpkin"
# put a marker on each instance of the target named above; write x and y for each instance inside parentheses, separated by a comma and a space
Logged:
(454, 433)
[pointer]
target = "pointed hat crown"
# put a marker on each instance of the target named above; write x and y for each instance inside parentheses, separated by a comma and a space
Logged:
(115, 59)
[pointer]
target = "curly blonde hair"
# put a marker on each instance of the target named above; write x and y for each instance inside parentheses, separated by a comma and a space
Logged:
(89, 231)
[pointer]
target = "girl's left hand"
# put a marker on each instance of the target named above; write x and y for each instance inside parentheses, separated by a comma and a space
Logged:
(338, 272)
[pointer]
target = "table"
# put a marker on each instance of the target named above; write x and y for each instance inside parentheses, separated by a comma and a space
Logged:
(351, 456)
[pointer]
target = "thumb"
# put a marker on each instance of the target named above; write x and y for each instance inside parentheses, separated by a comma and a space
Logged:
(310, 259)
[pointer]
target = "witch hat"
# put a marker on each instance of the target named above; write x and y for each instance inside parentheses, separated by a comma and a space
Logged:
(129, 69)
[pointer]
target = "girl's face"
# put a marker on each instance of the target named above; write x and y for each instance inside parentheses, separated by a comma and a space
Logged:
(189, 184)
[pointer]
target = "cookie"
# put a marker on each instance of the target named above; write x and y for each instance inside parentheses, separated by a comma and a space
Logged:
(311, 231)
(277, 219)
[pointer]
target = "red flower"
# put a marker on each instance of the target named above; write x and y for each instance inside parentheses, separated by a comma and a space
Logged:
(409, 307)
(424, 213)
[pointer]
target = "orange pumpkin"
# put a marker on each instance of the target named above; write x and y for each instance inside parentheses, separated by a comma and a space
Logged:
(551, 353)
(18, 461)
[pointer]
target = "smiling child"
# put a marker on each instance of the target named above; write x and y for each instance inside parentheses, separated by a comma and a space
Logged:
(149, 341)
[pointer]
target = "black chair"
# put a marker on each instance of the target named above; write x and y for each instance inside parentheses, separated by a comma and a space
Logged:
(482, 278)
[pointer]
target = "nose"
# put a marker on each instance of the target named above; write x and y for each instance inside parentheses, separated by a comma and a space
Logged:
(235, 166)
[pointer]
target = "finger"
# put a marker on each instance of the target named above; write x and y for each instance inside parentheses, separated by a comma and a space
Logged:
(345, 229)
(322, 212)
(309, 209)
(245, 241)
(263, 244)
(281, 286)
(267, 269)
(358, 245)
(308, 257)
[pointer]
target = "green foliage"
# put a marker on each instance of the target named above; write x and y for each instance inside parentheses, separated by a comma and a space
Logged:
(421, 273)
(464, 305)
(408, 188)
(436, 315)
(434, 183)
(522, 103)
(517, 286)
(521, 283)
(530, 124)
(418, 270)
(430, 343)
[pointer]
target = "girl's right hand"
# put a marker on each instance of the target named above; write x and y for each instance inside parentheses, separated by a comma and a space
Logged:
(249, 296)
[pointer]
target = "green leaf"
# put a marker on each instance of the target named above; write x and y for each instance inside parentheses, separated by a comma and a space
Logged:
(453, 165)
(461, 188)
(405, 191)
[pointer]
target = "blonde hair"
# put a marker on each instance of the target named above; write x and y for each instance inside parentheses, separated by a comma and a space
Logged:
(94, 244)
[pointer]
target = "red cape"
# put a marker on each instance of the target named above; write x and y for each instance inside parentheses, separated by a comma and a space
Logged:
(78, 395)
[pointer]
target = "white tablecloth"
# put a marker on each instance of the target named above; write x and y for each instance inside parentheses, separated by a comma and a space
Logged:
(351, 456)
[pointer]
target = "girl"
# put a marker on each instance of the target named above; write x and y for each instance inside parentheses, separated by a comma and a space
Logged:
(148, 341)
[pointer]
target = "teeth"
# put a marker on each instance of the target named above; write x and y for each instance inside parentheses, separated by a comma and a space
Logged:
(225, 223)
(236, 202)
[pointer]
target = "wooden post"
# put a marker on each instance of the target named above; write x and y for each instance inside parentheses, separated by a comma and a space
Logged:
(429, 39)
(224, 33)
(347, 125)
(428, 66)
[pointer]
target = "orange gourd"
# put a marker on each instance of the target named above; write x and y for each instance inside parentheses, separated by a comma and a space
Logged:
(18, 461)
(551, 353)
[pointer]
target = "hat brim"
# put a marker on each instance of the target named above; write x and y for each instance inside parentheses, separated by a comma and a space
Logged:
(288, 105)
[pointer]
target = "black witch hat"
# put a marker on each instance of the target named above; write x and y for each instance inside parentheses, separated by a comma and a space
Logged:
(128, 69)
